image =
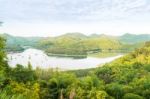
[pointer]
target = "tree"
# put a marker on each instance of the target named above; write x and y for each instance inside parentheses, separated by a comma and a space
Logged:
(147, 44)
(104, 73)
(2, 52)
(59, 85)
(115, 90)
(97, 94)
(22, 74)
(27, 91)
(29, 66)
(132, 96)
(4, 68)
(142, 86)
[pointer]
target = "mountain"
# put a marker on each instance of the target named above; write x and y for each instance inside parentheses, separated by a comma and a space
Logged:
(77, 43)
(24, 41)
(126, 38)
(103, 42)
(72, 43)
(132, 38)
(15, 43)
(73, 35)
(94, 35)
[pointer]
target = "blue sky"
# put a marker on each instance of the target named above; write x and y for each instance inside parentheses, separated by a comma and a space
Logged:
(55, 17)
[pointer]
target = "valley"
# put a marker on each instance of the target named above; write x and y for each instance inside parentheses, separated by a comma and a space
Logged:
(77, 44)
(120, 77)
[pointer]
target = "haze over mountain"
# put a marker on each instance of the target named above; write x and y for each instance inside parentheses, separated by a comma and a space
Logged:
(131, 38)
(125, 38)
(73, 41)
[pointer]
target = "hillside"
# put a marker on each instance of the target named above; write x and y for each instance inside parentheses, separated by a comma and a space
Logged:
(73, 35)
(79, 44)
(129, 75)
(15, 43)
(132, 38)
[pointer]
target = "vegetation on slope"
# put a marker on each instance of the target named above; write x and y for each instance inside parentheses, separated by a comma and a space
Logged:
(78, 44)
(14, 43)
(132, 38)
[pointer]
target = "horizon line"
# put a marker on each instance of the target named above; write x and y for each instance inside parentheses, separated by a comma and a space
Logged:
(98, 34)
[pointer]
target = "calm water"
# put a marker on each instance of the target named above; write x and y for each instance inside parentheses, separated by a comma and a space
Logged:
(40, 59)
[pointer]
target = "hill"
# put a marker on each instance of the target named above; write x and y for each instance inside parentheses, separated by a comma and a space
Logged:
(132, 38)
(15, 43)
(128, 76)
(73, 35)
(79, 44)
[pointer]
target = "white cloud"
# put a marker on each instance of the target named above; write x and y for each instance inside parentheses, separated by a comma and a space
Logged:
(32, 17)
(111, 28)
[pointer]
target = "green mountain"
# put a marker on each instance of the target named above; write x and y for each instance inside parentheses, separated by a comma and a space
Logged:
(24, 41)
(79, 44)
(15, 43)
(132, 38)
(73, 35)
(102, 42)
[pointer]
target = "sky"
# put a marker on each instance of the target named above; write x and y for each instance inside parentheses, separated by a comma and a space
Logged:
(56, 17)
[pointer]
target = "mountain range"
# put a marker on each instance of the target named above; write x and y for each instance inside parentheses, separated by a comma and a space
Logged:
(77, 43)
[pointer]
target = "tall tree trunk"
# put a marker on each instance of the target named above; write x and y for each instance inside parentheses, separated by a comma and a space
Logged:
(61, 94)
(72, 94)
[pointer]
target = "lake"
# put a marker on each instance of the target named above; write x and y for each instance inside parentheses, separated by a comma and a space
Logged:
(40, 59)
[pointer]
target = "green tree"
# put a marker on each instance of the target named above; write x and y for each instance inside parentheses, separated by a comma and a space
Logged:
(115, 90)
(59, 84)
(29, 66)
(97, 94)
(132, 96)
(4, 68)
(104, 73)
(22, 74)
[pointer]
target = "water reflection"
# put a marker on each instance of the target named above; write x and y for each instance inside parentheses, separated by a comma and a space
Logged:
(40, 59)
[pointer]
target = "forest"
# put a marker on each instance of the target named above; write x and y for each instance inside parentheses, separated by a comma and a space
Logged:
(125, 78)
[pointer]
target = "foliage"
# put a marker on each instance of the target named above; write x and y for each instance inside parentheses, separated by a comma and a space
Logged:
(14, 43)
(125, 78)
(22, 74)
(73, 44)
(132, 96)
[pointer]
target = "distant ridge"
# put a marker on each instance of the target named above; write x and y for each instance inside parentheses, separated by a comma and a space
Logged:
(125, 38)
(73, 35)
(133, 38)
